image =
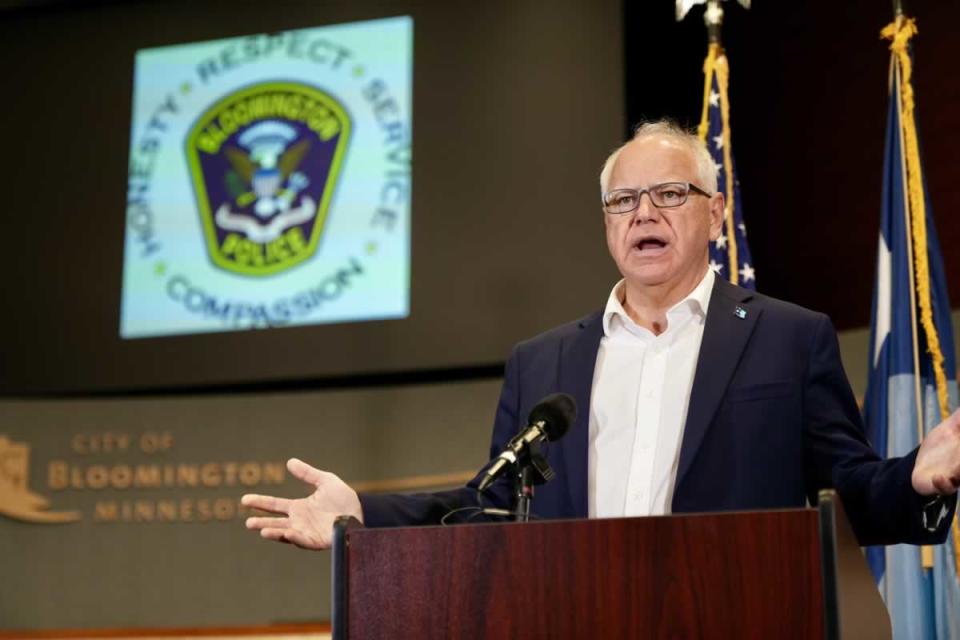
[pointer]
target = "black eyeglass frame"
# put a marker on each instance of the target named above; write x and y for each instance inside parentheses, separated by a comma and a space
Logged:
(691, 188)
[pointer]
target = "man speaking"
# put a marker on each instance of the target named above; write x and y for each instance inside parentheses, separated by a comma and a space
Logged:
(693, 394)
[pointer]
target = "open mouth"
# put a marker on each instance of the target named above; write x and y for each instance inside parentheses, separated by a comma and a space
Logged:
(650, 245)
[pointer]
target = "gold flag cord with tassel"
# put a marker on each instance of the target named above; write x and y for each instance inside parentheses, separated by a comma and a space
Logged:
(716, 63)
(899, 34)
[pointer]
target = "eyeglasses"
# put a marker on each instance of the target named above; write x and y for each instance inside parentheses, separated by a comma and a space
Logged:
(663, 196)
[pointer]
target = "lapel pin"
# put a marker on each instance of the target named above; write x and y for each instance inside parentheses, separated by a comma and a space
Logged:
(740, 312)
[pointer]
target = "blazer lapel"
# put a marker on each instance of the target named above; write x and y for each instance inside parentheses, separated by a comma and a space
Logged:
(729, 323)
(578, 357)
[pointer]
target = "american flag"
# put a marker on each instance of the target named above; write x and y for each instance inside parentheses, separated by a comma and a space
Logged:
(729, 254)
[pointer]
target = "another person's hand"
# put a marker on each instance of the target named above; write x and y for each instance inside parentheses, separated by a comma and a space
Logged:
(937, 469)
(305, 522)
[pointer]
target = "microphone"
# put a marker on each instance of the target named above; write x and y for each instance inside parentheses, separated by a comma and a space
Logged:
(549, 420)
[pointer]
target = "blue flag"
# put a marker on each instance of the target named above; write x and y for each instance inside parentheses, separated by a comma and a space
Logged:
(729, 254)
(906, 395)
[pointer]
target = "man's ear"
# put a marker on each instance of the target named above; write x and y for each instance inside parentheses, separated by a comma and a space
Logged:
(717, 207)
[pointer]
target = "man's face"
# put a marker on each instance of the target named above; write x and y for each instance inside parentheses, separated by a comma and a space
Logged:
(651, 246)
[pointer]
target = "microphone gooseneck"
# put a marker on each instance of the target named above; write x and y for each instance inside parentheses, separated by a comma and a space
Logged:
(549, 420)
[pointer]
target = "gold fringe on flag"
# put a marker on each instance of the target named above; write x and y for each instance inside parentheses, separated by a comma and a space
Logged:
(716, 63)
(899, 34)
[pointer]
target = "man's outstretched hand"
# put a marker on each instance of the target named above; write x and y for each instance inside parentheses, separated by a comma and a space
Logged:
(937, 470)
(305, 522)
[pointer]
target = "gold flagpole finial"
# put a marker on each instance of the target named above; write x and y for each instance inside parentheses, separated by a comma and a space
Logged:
(713, 18)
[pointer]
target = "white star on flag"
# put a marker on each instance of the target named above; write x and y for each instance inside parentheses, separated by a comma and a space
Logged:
(717, 267)
(714, 99)
(718, 142)
(743, 228)
(747, 272)
(721, 242)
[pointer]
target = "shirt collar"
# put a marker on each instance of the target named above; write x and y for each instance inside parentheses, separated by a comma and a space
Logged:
(697, 301)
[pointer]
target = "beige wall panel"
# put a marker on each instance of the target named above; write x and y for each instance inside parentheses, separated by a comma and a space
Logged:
(118, 573)
(98, 574)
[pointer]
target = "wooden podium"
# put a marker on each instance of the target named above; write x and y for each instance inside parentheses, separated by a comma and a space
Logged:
(792, 573)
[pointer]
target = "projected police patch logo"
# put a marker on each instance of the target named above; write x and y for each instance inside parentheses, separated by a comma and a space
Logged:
(269, 181)
(265, 162)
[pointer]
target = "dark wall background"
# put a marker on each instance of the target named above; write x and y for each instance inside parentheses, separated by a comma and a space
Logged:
(808, 92)
(516, 106)
(511, 121)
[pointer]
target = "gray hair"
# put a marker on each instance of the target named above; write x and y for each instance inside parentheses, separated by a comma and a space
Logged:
(706, 168)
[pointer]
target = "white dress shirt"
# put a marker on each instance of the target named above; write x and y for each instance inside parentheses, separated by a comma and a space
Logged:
(638, 405)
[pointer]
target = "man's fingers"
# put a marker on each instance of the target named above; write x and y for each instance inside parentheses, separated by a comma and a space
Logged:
(943, 485)
(293, 536)
(274, 534)
(303, 541)
(953, 482)
(255, 522)
(305, 522)
(305, 472)
(266, 503)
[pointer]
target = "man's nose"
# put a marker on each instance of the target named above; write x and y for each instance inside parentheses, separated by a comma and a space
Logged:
(646, 211)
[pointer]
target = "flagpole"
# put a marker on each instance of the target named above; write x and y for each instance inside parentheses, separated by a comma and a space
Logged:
(714, 132)
(908, 215)
(926, 552)
(717, 64)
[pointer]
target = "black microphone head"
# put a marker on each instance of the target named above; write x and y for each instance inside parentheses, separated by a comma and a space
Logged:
(557, 412)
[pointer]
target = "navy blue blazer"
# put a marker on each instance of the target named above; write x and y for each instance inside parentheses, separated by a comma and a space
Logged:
(771, 421)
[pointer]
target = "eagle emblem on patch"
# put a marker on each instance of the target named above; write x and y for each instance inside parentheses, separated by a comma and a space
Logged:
(264, 162)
